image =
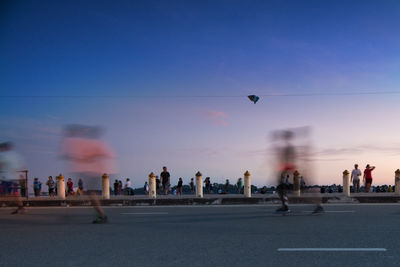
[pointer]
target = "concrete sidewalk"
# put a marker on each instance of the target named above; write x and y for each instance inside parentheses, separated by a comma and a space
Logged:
(209, 199)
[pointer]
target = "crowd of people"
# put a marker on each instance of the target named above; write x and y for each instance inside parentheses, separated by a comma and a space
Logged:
(164, 186)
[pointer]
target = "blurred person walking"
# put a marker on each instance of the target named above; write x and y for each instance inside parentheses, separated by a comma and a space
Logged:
(10, 164)
(287, 156)
(355, 178)
(165, 180)
(179, 187)
(51, 185)
(367, 179)
(146, 188)
(88, 158)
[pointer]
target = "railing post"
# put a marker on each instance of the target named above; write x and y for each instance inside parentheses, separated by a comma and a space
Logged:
(199, 185)
(397, 182)
(152, 186)
(60, 186)
(105, 179)
(247, 184)
(346, 183)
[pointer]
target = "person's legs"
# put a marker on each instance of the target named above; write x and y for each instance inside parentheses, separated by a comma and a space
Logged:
(367, 187)
(94, 199)
(283, 197)
(358, 186)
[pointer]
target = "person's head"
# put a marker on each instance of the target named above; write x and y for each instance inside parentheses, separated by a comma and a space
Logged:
(50, 177)
(69, 179)
(367, 167)
(35, 179)
(127, 179)
(191, 179)
(180, 179)
(164, 168)
(355, 166)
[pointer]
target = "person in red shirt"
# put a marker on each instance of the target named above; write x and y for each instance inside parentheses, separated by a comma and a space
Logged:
(70, 187)
(368, 177)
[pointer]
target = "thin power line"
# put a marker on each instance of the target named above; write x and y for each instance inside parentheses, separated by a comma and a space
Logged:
(206, 96)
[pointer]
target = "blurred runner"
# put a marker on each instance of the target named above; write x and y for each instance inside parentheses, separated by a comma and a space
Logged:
(10, 164)
(88, 158)
(291, 159)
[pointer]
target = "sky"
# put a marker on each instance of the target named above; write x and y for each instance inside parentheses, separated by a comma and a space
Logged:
(168, 81)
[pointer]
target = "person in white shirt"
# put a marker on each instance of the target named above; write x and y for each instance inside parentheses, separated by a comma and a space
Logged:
(355, 178)
(128, 188)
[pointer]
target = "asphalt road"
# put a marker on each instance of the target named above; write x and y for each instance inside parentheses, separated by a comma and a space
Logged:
(203, 236)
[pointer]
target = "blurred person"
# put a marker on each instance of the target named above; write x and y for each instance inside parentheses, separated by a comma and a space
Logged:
(207, 184)
(179, 187)
(287, 155)
(227, 186)
(22, 186)
(128, 189)
(116, 187)
(51, 186)
(120, 187)
(158, 184)
(79, 192)
(191, 184)
(70, 187)
(355, 178)
(146, 188)
(239, 185)
(88, 158)
(165, 180)
(10, 164)
(367, 179)
(36, 186)
(390, 189)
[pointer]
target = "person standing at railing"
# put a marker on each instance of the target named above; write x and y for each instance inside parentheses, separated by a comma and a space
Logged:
(51, 186)
(355, 178)
(368, 177)
(165, 180)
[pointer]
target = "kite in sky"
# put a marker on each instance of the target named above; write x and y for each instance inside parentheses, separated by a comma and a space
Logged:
(253, 98)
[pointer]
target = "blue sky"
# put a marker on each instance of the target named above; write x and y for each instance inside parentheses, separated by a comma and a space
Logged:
(202, 48)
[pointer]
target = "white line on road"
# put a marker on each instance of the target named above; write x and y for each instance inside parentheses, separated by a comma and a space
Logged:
(335, 211)
(330, 249)
(144, 213)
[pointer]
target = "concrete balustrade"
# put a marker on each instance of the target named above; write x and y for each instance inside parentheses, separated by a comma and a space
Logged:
(247, 184)
(105, 183)
(152, 186)
(397, 182)
(199, 185)
(60, 186)
(346, 183)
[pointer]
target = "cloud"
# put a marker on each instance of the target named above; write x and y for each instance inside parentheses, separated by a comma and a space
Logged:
(217, 117)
